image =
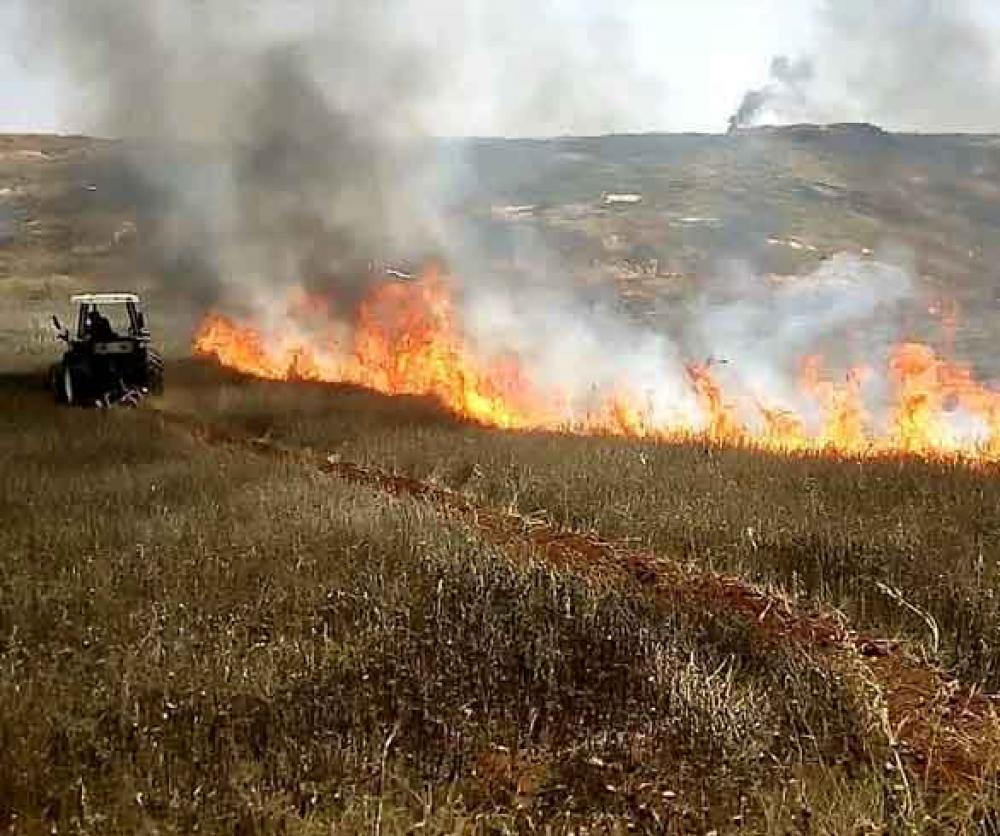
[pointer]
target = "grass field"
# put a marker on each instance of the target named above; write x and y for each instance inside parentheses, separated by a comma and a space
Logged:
(199, 635)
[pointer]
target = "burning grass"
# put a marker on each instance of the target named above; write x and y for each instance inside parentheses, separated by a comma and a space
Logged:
(409, 338)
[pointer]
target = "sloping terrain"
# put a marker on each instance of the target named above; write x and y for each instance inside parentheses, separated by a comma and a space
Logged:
(778, 200)
(950, 732)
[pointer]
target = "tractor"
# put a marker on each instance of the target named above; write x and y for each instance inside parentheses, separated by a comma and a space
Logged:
(107, 360)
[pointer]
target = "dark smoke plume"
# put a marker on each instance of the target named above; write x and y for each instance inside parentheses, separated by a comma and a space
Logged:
(279, 140)
(788, 82)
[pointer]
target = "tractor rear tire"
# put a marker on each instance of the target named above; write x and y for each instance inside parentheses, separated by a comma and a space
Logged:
(154, 372)
(63, 383)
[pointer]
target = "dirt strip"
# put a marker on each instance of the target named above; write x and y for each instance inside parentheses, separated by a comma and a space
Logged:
(946, 732)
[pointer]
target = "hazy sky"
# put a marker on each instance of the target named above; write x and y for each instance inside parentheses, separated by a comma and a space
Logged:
(692, 58)
(650, 64)
(27, 102)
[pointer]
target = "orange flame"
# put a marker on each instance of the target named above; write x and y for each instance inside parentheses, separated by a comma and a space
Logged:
(845, 419)
(407, 339)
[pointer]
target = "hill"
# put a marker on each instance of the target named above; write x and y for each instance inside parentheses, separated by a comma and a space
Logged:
(778, 200)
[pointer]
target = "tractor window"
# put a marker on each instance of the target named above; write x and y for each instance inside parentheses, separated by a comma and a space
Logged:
(105, 322)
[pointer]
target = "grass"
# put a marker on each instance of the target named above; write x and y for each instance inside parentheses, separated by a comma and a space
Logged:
(197, 637)
(903, 547)
(174, 653)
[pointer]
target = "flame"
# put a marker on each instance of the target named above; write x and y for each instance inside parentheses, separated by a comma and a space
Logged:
(722, 423)
(845, 419)
(407, 339)
(929, 389)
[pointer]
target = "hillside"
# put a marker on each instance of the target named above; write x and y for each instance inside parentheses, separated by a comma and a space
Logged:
(779, 201)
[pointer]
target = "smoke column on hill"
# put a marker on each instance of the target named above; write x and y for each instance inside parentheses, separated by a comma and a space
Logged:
(908, 64)
(787, 88)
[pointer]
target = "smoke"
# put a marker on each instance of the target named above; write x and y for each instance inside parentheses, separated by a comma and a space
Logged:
(288, 142)
(758, 331)
(787, 89)
(919, 65)
(753, 331)
(291, 144)
(743, 314)
(580, 346)
(280, 141)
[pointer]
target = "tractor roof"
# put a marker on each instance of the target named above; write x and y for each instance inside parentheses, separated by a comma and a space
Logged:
(103, 298)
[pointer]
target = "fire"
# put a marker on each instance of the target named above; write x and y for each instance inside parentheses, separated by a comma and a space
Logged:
(845, 419)
(406, 342)
(722, 421)
(407, 339)
(929, 390)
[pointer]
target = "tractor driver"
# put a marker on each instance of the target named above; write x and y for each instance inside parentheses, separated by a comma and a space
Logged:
(100, 328)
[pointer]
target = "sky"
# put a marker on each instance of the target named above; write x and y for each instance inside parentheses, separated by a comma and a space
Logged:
(549, 67)
(28, 101)
(690, 62)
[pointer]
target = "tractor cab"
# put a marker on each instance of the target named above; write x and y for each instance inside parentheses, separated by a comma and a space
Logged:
(108, 353)
(106, 317)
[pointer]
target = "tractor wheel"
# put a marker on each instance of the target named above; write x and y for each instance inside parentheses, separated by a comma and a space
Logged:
(64, 383)
(154, 372)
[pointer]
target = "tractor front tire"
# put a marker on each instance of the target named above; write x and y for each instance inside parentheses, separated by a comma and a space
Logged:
(154, 372)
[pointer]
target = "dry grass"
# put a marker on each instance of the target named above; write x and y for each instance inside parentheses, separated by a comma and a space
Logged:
(903, 547)
(197, 637)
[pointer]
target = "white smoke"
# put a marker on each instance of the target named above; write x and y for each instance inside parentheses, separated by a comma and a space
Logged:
(753, 332)
(584, 351)
(848, 310)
